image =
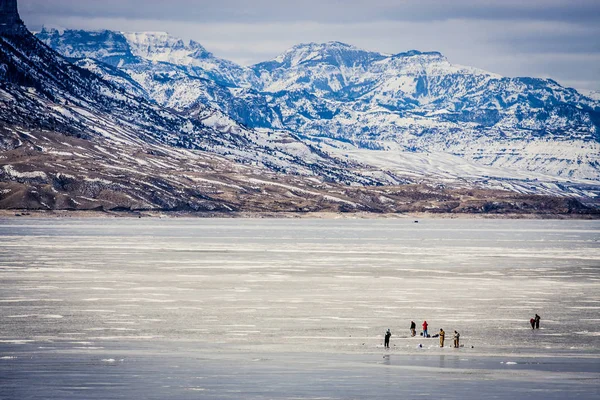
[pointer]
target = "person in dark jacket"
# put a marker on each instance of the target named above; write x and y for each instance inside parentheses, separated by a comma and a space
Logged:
(532, 322)
(413, 328)
(388, 335)
(537, 321)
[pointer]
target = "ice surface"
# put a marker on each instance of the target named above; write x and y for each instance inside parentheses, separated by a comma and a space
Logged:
(297, 308)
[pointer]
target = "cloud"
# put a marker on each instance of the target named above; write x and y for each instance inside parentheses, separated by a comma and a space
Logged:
(261, 11)
(546, 38)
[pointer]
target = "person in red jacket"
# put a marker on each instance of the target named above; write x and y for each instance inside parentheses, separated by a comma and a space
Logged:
(425, 328)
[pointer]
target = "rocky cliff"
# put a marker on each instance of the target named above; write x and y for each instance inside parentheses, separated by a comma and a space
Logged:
(10, 22)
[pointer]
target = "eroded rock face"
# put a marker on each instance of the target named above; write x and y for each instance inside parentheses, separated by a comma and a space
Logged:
(10, 22)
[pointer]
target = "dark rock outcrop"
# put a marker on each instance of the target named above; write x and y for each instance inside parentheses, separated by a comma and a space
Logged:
(10, 22)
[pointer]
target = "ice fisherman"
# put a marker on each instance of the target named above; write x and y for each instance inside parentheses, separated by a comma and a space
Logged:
(456, 340)
(413, 328)
(532, 322)
(537, 321)
(388, 335)
(442, 336)
(425, 329)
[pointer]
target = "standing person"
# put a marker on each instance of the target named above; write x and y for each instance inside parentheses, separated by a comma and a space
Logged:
(532, 322)
(413, 328)
(456, 340)
(442, 335)
(386, 343)
(425, 329)
(537, 321)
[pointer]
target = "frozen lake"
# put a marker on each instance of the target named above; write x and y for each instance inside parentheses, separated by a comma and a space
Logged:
(205, 308)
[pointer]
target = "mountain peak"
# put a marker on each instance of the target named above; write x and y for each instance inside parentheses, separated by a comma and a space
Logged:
(333, 52)
(10, 22)
(321, 47)
(109, 47)
(325, 46)
(199, 51)
(413, 53)
(153, 39)
(152, 45)
(50, 30)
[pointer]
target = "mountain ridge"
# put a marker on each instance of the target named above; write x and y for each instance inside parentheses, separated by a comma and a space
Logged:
(409, 101)
(109, 130)
(72, 140)
(64, 95)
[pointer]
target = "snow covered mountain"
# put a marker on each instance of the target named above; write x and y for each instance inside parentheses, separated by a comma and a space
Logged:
(172, 73)
(147, 122)
(111, 127)
(421, 102)
(121, 49)
(40, 89)
(321, 69)
(333, 93)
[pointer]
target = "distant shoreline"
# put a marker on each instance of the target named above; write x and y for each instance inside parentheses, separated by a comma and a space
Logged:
(66, 214)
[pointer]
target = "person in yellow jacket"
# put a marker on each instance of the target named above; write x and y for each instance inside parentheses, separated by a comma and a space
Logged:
(442, 335)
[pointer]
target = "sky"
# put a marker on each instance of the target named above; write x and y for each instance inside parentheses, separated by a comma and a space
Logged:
(558, 39)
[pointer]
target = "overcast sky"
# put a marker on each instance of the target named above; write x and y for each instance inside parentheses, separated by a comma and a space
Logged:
(558, 39)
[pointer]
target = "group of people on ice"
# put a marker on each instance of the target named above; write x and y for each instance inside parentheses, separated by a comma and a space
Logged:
(441, 334)
(425, 334)
(535, 324)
